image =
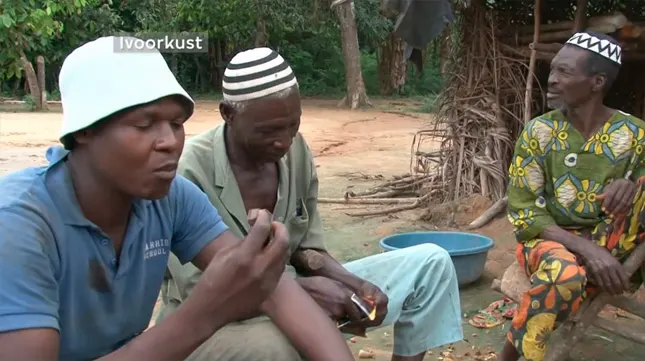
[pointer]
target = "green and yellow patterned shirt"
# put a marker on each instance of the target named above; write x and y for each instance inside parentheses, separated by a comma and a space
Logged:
(556, 174)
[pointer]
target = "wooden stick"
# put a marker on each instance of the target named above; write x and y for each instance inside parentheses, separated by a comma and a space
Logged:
(40, 68)
(628, 304)
(402, 180)
(540, 55)
(490, 213)
(528, 96)
(566, 34)
(618, 20)
(367, 200)
(410, 185)
(462, 143)
(386, 194)
(392, 210)
(581, 15)
(618, 328)
(547, 48)
(483, 174)
(369, 192)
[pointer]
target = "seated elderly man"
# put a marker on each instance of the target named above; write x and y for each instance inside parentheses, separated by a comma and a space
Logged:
(575, 195)
(257, 158)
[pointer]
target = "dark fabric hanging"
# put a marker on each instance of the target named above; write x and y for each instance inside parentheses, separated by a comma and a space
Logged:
(419, 21)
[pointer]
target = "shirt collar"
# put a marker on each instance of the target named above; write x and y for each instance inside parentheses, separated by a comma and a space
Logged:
(59, 185)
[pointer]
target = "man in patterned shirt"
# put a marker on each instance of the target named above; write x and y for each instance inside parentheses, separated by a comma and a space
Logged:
(574, 194)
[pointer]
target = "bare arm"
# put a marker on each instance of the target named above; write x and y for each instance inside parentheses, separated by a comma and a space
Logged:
(570, 241)
(294, 312)
(174, 339)
(305, 324)
(329, 267)
(19, 345)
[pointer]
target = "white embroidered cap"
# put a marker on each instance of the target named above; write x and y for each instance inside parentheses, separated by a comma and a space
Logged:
(599, 46)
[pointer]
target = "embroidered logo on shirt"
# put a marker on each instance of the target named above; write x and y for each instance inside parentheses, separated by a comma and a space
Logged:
(156, 248)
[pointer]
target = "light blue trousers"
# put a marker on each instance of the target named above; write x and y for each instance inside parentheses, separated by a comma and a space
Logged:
(423, 306)
(423, 293)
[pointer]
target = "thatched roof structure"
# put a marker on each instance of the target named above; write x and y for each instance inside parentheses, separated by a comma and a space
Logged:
(489, 93)
(495, 81)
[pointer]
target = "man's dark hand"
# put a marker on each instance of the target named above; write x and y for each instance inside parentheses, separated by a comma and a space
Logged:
(332, 297)
(240, 278)
(617, 197)
(605, 270)
(375, 297)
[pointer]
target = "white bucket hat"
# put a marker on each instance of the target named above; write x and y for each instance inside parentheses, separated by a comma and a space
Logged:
(96, 81)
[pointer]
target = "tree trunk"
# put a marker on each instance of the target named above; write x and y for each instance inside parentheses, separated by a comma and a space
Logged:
(444, 50)
(356, 96)
(392, 65)
(261, 36)
(40, 66)
(16, 85)
(32, 80)
(215, 63)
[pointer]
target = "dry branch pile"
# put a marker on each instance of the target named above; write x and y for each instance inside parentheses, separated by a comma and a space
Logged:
(486, 97)
(468, 148)
(401, 193)
(478, 115)
(631, 36)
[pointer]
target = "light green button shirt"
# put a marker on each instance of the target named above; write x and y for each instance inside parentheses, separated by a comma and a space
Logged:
(205, 163)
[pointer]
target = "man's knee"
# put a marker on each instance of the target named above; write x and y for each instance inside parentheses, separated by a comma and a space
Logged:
(429, 253)
(431, 259)
(561, 273)
(247, 342)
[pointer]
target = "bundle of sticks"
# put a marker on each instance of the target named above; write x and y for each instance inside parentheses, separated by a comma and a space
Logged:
(401, 193)
(631, 36)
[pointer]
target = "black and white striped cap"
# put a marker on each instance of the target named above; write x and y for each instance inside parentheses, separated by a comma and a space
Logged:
(256, 73)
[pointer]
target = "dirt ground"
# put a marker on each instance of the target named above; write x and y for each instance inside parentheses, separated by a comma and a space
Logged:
(348, 145)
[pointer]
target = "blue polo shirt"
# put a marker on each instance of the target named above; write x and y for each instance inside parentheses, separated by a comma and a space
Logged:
(58, 270)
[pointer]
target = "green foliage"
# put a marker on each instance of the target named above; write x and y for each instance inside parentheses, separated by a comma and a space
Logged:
(30, 25)
(372, 27)
(30, 102)
(305, 32)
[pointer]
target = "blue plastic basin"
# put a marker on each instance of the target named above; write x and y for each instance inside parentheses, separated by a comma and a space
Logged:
(467, 250)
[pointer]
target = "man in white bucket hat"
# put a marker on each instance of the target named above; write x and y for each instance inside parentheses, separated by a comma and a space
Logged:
(84, 240)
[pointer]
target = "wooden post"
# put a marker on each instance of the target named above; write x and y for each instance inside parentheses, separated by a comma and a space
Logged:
(581, 15)
(40, 68)
(528, 97)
